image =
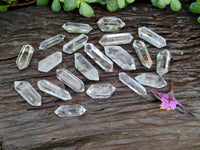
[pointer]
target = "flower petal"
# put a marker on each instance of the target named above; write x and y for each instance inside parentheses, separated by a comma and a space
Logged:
(165, 105)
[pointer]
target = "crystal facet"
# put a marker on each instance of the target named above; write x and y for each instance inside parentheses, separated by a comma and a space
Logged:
(53, 89)
(28, 93)
(85, 67)
(132, 84)
(142, 53)
(75, 44)
(163, 59)
(151, 37)
(51, 61)
(51, 41)
(110, 24)
(24, 56)
(151, 80)
(104, 62)
(70, 110)
(115, 39)
(70, 80)
(121, 57)
(101, 90)
(72, 27)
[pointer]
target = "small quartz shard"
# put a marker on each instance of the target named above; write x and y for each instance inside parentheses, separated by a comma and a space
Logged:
(54, 90)
(101, 90)
(50, 62)
(72, 27)
(75, 44)
(142, 53)
(132, 84)
(115, 39)
(94, 53)
(51, 41)
(163, 60)
(121, 57)
(151, 37)
(24, 56)
(70, 80)
(85, 67)
(110, 24)
(70, 110)
(28, 93)
(151, 80)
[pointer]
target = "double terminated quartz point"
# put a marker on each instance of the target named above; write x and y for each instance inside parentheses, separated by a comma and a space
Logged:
(72, 27)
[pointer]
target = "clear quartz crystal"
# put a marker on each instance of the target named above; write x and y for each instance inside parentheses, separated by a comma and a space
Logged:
(72, 27)
(70, 110)
(54, 90)
(70, 80)
(115, 39)
(85, 67)
(151, 80)
(142, 53)
(75, 44)
(50, 62)
(28, 93)
(151, 37)
(100, 90)
(51, 41)
(163, 60)
(121, 57)
(94, 53)
(24, 56)
(132, 84)
(110, 24)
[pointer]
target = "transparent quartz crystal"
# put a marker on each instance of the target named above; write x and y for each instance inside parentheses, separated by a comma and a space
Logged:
(72, 27)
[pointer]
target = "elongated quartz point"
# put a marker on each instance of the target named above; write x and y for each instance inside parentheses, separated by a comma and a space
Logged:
(53, 89)
(110, 24)
(151, 37)
(28, 93)
(132, 84)
(121, 57)
(142, 53)
(75, 44)
(163, 60)
(72, 27)
(151, 80)
(101, 90)
(24, 56)
(50, 62)
(70, 110)
(51, 41)
(115, 39)
(85, 67)
(70, 80)
(94, 53)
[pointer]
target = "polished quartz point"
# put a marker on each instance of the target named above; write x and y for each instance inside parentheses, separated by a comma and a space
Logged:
(75, 44)
(110, 24)
(115, 39)
(121, 57)
(163, 60)
(28, 93)
(151, 80)
(72, 27)
(50, 62)
(151, 37)
(104, 62)
(132, 84)
(142, 53)
(85, 67)
(53, 89)
(100, 90)
(70, 110)
(70, 80)
(24, 56)
(51, 41)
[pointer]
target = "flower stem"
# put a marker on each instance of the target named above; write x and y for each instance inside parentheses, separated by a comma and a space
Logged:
(172, 84)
